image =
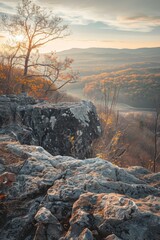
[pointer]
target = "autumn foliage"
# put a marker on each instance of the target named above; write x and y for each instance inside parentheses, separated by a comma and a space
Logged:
(137, 87)
(23, 68)
(11, 83)
(128, 139)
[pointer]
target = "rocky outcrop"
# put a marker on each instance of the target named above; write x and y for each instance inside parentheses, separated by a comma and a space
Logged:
(9, 105)
(62, 198)
(65, 128)
(112, 213)
(65, 198)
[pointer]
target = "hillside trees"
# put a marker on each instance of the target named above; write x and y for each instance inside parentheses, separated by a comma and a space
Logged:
(139, 87)
(35, 27)
(11, 82)
(105, 92)
(127, 138)
(8, 61)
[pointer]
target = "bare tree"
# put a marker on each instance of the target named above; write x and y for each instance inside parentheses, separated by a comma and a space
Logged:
(110, 93)
(55, 70)
(8, 60)
(38, 27)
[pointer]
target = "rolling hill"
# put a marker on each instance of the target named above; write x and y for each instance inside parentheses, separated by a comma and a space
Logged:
(100, 59)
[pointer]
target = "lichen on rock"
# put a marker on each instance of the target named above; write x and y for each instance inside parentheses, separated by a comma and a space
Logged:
(63, 128)
(64, 198)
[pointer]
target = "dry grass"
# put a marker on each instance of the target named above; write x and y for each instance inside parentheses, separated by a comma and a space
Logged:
(140, 137)
(136, 141)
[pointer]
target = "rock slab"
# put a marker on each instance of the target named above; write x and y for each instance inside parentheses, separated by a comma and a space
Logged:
(63, 198)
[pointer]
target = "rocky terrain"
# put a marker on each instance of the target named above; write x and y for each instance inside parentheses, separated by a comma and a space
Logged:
(64, 128)
(65, 198)
(59, 197)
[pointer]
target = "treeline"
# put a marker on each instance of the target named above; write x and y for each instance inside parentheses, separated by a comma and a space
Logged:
(12, 82)
(137, 87)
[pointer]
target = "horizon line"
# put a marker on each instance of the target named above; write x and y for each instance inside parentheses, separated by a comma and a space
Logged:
(85, 48)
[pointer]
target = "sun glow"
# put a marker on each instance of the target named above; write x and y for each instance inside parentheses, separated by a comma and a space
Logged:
(18, 38)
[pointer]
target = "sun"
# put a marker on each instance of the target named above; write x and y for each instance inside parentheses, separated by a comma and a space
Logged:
(19, 38)
(15, 39)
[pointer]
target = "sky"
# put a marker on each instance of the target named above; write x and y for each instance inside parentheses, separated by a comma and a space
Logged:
(102, 23)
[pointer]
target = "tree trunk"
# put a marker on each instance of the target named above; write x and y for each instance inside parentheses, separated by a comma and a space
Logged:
(26, 69)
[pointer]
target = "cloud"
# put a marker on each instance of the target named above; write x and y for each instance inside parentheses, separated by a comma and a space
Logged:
(75, 18)
(6, 8)
(135, 23)
(128, 15)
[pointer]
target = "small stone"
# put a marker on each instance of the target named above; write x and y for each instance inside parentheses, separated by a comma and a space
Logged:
(86, 235)
(112, 237)
(45, 216)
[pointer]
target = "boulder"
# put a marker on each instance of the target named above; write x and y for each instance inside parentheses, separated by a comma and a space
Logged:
(64, 128)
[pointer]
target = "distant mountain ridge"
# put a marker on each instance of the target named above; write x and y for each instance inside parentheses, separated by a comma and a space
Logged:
(155, 50)
(94, 64)
(102, 58)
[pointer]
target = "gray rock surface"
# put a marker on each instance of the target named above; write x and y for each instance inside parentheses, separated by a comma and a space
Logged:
(112, 237)
(9, 105)
(49, 223)
(59, 197)
(64, 128)
(111, 213)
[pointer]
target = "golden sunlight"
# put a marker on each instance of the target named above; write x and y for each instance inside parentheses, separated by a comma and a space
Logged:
(18, 38)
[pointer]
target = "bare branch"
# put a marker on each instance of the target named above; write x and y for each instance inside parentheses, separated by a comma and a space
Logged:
(39, 27)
